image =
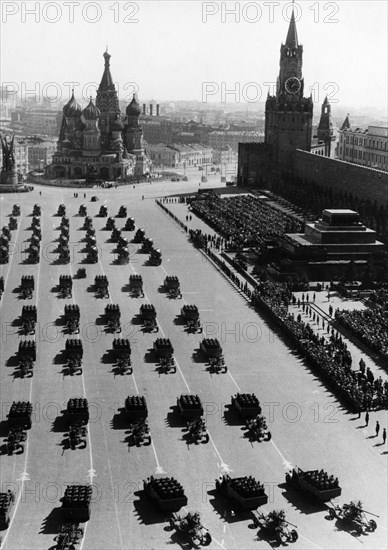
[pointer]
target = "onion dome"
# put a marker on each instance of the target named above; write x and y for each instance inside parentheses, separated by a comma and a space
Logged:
(72, 108)
(117, 125)
(133, 108)
(91, 112)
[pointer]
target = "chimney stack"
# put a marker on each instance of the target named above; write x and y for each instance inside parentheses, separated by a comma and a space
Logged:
(157, 109)
(144, 109)
(151, 109)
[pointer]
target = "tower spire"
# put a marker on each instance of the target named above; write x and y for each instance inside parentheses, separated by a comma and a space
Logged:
(106, 80)
(292, 35)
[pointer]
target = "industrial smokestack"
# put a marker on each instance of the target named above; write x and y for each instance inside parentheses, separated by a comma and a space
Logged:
(151, 109)
(144, 109)
(157, 110)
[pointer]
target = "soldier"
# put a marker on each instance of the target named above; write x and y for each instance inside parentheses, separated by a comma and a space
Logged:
(377, 428)
(384, 436)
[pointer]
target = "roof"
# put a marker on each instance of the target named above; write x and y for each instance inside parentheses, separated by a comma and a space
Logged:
(106, 80)
(292, 35)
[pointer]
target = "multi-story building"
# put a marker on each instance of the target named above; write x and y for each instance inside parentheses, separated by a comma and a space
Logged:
(367, 147)
(44, 122)
(162, 155)
(220, 139)
(180, 155)
(98, 139)
(41, 154)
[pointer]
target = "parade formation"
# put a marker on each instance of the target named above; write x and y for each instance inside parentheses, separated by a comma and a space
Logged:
(247, 425)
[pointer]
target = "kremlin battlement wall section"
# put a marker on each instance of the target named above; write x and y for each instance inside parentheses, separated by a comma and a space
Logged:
(366, 183)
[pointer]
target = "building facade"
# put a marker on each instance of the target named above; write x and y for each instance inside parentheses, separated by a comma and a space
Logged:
(98, 139)
(180, 155)
(368, 147)
(222, 139)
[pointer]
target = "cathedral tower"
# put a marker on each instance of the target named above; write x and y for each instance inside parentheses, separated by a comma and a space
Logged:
(325, 127)
(107, 102)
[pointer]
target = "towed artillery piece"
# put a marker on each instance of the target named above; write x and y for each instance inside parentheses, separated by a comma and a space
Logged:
(65, 222)
(167, 492)
(101, 284)
(4, 254)
(88, 223)
(76, 503)
(213, 351)
(197, 430)
(82, 210)
(14, 440)
(190, 526)
(147, 245)
(29, 318)
(34, 254)
(116, 234)
(275, 527)
(136, 411)
(77, 417)
(27, 286)
(172, 285)
(110, 224)
(315, 483)
(190, 314)
(72, 317)
(123, 255)
(165, 354)
(136, 285)
(148, 318)
(35, 239)
(74, 354)
(61, 210)
(92, 255)
(103, 211)
(122, 352)
(139, 236)
(7, 232)
(7, 501)
(122, 212)
(70, 534)
(16, 210)
(129, 225)
(35, 222)
(245, 492)
(36, 211)
(27, 356)
(64, 253)
(12, 223)
(155, 256)
(258, 429)
(354, 515)
(113, 314)
(65, 286)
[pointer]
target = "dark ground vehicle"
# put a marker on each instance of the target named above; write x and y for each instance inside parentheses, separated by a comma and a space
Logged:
(82, 211)
(316, 483)
(110, 224)
(26, 356)
(257, 428)
(88, 223)
(122, 212)
(64, 254)
(213, 351)
(191, 527)
(147, 245)
(101, 284)
(74, 354)
(72, 317)
(139, 236)
(27, 286)
(113, 314)
(61, 210)
(65, 286)
(92, 255)
(6, 504)
(34, 254)
(246, 404)
(354, 516)
(14, 441)
(136, 411)
(148, 318)
(81, 273)
(77, 416)
(123, 256)
(190, 406)
(29, 318)
(136, 286)
(36, 211)
(275, 527)
(155, 257)
(167, 492)
(103, 211)
(197, 430)
(1, 286)
(191, 315)
(70, 534)
(4, 254)
(13, 223)
(165, 354)
(19, 421)
(122, 352)
(116, 234)
(246, 492)
(7, 232)
(16, 210)
(76, 503)
(129, 225)
(172, 285)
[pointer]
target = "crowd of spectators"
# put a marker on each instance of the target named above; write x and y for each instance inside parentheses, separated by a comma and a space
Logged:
(245, 220)
(369, 325)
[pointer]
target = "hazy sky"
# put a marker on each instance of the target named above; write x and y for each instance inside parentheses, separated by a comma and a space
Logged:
(195, 50)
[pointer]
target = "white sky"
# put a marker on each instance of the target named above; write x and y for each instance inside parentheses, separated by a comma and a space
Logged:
(172, 50)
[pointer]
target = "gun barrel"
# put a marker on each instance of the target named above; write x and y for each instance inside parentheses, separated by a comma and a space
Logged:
(369, 513)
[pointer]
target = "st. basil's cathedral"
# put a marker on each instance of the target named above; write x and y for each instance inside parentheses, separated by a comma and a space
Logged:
(98, 140)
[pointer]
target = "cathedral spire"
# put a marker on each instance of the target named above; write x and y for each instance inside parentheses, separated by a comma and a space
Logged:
(346, 123)
(107, 80)
(292, 35)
